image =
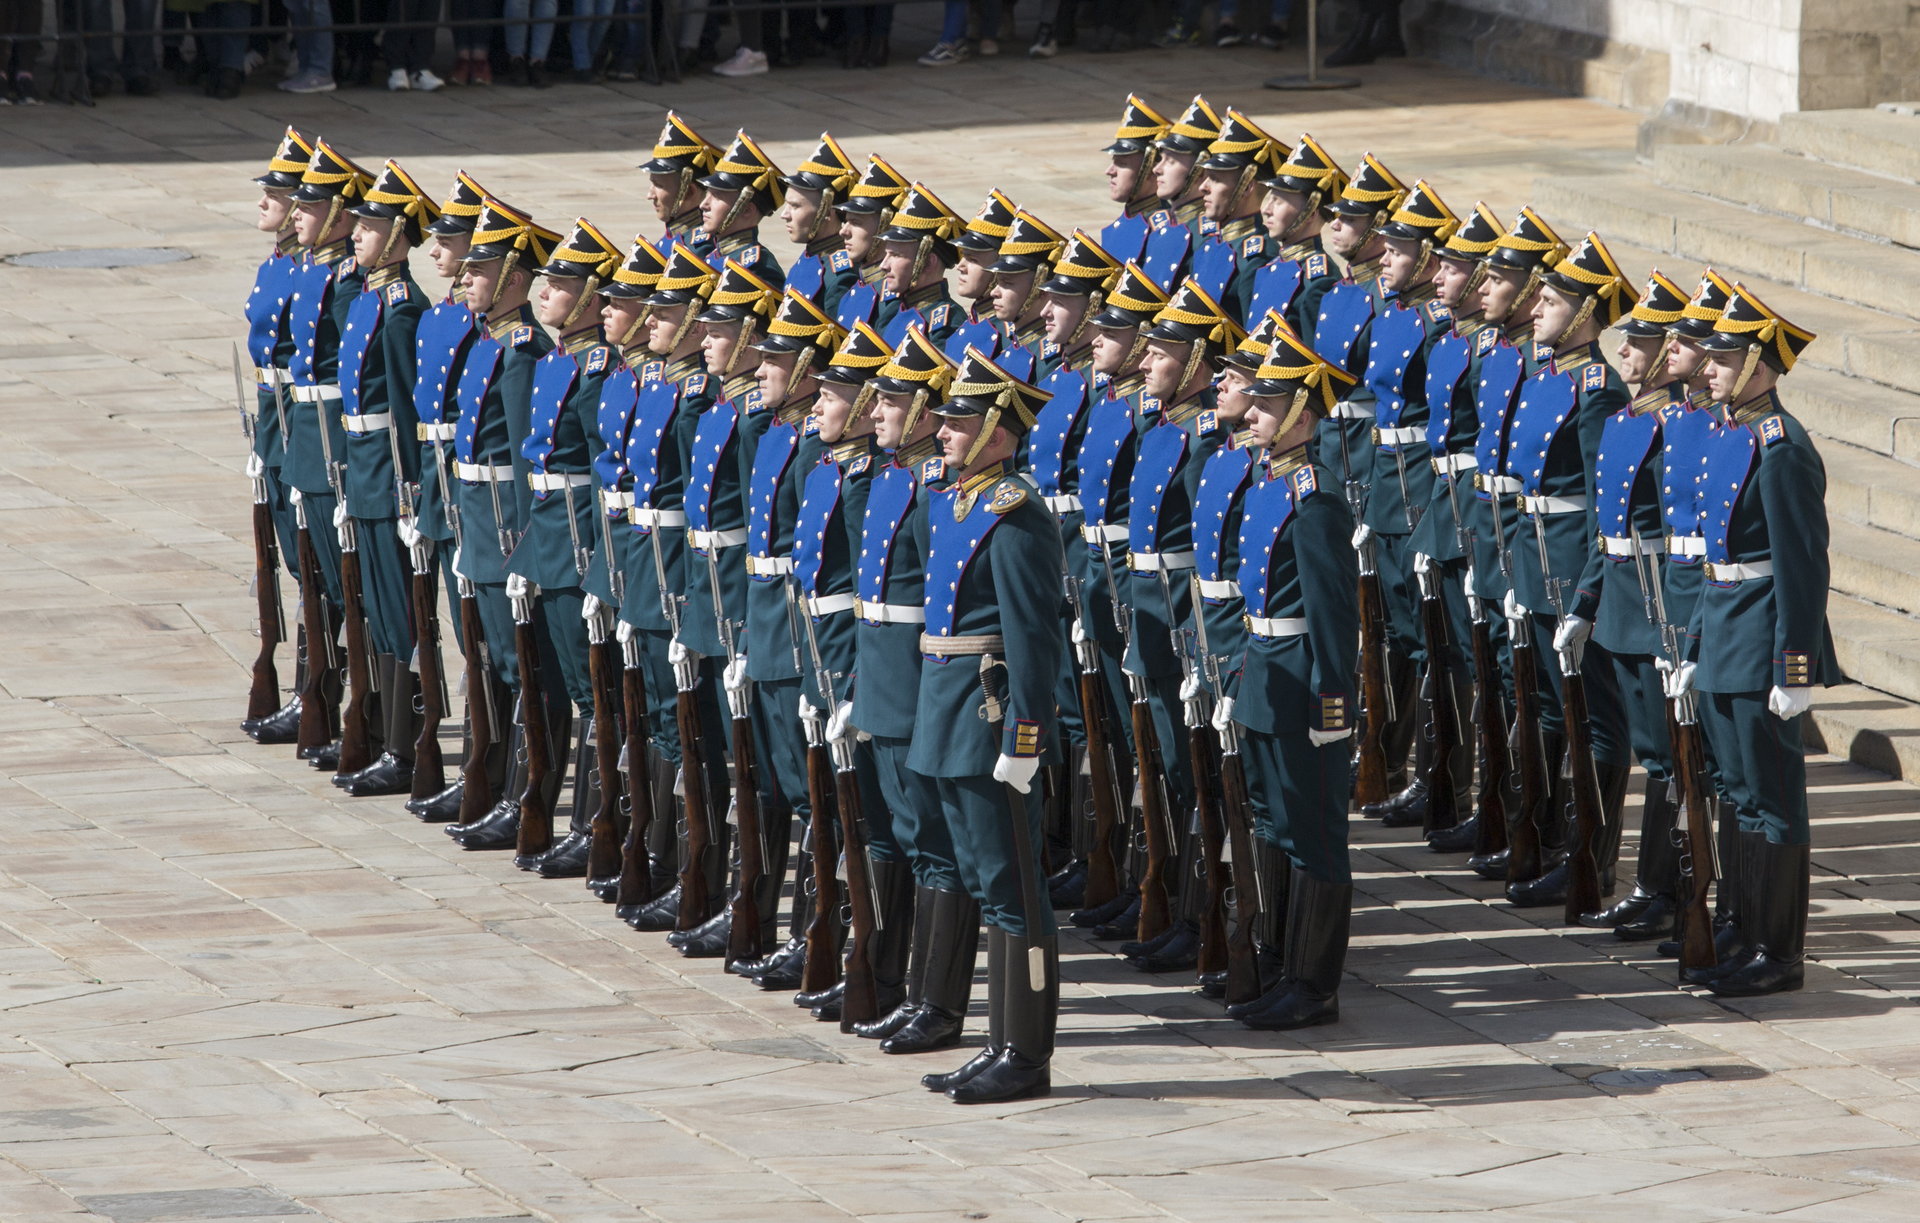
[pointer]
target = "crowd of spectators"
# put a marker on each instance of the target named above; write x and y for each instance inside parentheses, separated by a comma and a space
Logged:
(99, 47)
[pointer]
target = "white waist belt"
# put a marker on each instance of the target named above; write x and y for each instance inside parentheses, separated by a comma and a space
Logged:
(1453, 464)
(1154, 562)
(1219, 589)
(769, 566)
(1276, 626)
(1738, 573)
(554, 481)
(266, 377)
(1553, 505)
(435, 431)
(646, 516)
(1350, 411)
(1104, 533)
(827, 605)
(367, 422)
(613, 500)
(483, 473)
(1065, 503)
(707, 541)
(1687, 545)
(890, 613)
(328, 393)
(1499, 486)
(1622, 545)
(1400, 437)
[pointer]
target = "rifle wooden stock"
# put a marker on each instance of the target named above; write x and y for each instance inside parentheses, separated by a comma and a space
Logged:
(603, 833)
(1696, 865)
(1202, 749)
(536, 817)
(696, 898)
(356, 747)
(861, 1001)
(1155, 915)
(1523, 858)
(1583, 868)
(747, 937)
(1496, 758)
(1370, 764)
(1103, 871)
(1243, 961)
(264, 696)
(476, 785)
(1443, 714)
(635, 862)
(822, 967)
(429, 766)
(319, 714)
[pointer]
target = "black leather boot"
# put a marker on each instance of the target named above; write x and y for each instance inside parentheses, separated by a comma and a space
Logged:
(567, 859)
(1126, 924)
(441, 808)
(1656, 844)
(1659, 874)
(895, 903)
(996, 1026)
(914, 983)
(1409, 806)
(1179, 953)
(828, 1002)
(658, 914)
(1103, 914)
(1030, 1014)
(1551, 888)
(708, 940)
(1781, 882)
(952, 951)
(280, 726)
(325, 758)
(1735, 937)
(387, 775)
(499, 828)
(1318, 922)
(1270, 927)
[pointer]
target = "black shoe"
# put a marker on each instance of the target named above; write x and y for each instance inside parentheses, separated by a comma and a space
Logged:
(954, 1078)
(1213, 984)
(1127, 923)
(1622, 911)
(325, 758)
(1491, 866)
(1458, 839)
(498, 829)
(1415, 794)
(537, 74)
(1135, 947)
(826, 1003)
(753, 968)
(1011, 1076)
(929, 1029)
(280, 726)
(517, 71)
(1292, 1006)
(567, 859)
(456, 831)
(441, 808)
(660, 913)
(1102, 914)
(1658, 919)
(387, 775)
(1067, 887)
(1178, 954)
(708, 940)
(783, 972)
(888, 1024)
(1548, 889)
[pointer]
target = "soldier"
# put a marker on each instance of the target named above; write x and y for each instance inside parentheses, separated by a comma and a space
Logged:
(377, 367)
(991, 652)
(269, 345)
(1175, 182)
(1298, 577)
(1345, 321)
(442, 341)
(916, 251)
(1758, 642)
(1553, 438)
(977, 246)
(1293, 211)
(495, 400)
(1130, 182)
(681, 157)
(824, 270)
(1029, 246)
(1228, 257)
(743, 188)
(864, 214)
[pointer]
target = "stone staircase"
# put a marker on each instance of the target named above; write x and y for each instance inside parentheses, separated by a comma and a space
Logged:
(1825, 226)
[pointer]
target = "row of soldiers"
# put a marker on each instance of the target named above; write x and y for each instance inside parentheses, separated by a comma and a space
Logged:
(1108, 586)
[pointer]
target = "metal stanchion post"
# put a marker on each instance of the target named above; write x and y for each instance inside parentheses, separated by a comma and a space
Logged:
(1312, 78)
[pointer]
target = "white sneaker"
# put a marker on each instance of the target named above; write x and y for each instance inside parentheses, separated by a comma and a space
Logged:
(743, 63)
(943, 55)
(397, 80)
(309, 82)
(989, 46)
(425, 81)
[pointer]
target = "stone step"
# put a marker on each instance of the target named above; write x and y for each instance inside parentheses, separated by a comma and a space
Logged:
(1870, 488)
(1878, 649)
(1875, 565)
(1796, 187)
(1739, 241)
(1868, 728)
(1879, 142)
(1856, 411)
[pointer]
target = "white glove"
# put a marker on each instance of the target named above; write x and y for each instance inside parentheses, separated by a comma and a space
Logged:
(1223, 714)
(1510, 607)
(808, 710)
(1789, 703)
(1361, 534)
(590, 608)
(678, 654)
(839, 727)
(256, 466)
(735, 678)
(623, 633)
(1570, 638)
(1016, 771)
(409, 529)
(1422, 563)
(1678, 681)
(1079, 632)
(294, 495)
(339, 514)
(1320, 738)
(518, 587)
(1190, 688)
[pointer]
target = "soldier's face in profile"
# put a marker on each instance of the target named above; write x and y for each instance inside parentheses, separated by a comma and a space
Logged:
(663, 323)
(1344, 234)
(1217, 191)
(717, 342)
(971, 279)
(1688, 362)
(956, 438)
(861, 232)
(369, 238)
(1163, 363)
(896, 265)
(1499, 293)
(1010, 294)
(619, 314)
(479, 280)
(558, 296)
(714, 206)
(1264, 415)
(890, 419)
(1232, 401)
(799, 213)
(1280, 209)
(447, 251)
(774, 375)
(1171, 173)
(274, 207)
(1061, 313)
(1723, 376)
(1553, 312)
(307, 220)
(1399, 263)
(1636, 356)
(1123, 176)
(1110, 349)
(832, 409)
(663, 190)
(1450, 278)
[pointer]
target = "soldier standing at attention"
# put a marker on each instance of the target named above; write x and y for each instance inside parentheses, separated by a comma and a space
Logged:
(824, 270)
(867, 210)
(741, 190)
(681, 157)
(1293, 211)
(976, 247)
(1227, 259)
(1130, 182)
(916, 251)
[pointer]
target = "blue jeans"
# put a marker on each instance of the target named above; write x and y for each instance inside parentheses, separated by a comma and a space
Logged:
(1277, 11)
(586, 36)
(313, 48)
(543, 11)
(953, 24)
(136, 40)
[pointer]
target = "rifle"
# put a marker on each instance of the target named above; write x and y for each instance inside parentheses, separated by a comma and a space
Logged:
(1202, 749)
(1155, 913)
(1376, 689)
(1490, 723)
(820, 968)
(536, 817)
(263, 698)
(1530, 755)
(429, 768)
(605, 678)
(356, 751)
(1103, 872)
(1583, 869)
(635, 866)
(1443, 722)
(696, 898)
(476, 787)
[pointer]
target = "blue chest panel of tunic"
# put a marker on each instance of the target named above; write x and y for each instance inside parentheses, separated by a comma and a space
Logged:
(1344, 313)
(553, 380)
(611, 422)
(711, 441)
(890, 501)
(363, 320)
(770, 463)
(1730, 464)
(1398, 333)
(652, 416)
(1125, 237)
(1446, 365)
(1625, 442)
(1546, 403)
(858, 305)
(1500, 372)
(808, 276)
(1214, 265)
(1164, 256)
(983, 334)
(1051, 445)
(1108, 437)
(443, 330)
(272, 283)
(1275, 285)
(476, 377)
(1163, 452)
(1268, 507)
(306, 302)
(951, 548)
(1687, 439)
(1221, 483)
(819, 503)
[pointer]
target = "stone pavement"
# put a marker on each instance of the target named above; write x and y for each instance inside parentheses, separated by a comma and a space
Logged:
(229, 993)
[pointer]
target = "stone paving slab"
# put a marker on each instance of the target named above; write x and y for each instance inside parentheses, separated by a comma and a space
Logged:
(226, 992)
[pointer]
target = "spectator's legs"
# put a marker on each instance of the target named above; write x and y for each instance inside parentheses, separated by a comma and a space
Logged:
(225, 53)
(543, 13)
(516, 12)
(96, 16)
(313, 47)
(587, 37)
